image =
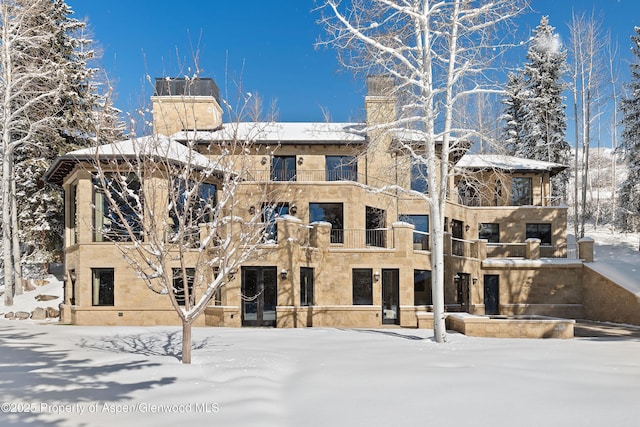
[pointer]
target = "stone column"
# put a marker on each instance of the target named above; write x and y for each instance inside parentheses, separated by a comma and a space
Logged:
(532, 250)
(585, 249)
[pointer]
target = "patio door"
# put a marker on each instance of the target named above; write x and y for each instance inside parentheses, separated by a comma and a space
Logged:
(259, 296)
(491, 294)
(391, 296)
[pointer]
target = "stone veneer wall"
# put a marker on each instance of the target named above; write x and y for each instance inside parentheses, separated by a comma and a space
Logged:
(607, 301)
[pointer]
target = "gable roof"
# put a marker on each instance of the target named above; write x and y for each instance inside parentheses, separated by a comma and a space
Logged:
(149, 146)
(507, 163)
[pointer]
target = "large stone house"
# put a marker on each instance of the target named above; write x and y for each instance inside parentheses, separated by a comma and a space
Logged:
(348, 247)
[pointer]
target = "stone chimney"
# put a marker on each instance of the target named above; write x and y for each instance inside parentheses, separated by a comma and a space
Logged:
(380, 105)
(181, 104)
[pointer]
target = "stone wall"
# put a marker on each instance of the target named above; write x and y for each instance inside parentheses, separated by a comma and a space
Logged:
(608, 301)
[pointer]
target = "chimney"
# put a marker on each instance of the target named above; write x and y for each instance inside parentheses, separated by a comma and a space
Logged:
(186, 104)
(380, 102)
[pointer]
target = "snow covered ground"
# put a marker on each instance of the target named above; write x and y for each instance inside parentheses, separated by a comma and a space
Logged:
(55, 375)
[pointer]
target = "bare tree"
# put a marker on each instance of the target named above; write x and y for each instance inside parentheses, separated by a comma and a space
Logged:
(175, 213)
(30, 88)
(438, 52)
(587, 41)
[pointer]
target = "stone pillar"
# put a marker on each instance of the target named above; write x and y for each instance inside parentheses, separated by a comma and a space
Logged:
(479, 249)
(447, 244)
(532, 250)
(320, 235)
(585, 249)
(403, 237)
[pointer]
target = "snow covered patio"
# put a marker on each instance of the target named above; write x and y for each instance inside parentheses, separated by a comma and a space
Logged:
(110, 376)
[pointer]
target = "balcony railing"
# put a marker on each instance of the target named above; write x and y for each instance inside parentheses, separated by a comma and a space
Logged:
(360, 239)
(313, 176)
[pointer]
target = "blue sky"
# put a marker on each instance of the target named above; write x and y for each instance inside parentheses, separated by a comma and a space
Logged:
(268, 45)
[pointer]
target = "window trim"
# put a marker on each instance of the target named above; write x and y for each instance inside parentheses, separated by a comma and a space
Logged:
(96, 297)
(367, 294)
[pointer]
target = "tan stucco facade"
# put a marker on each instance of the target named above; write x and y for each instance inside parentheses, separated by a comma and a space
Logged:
(526, 277)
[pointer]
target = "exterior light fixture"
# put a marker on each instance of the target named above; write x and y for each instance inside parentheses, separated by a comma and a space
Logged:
(376, 276)
(252, 210)
(293, 209)
(263, 161)
(300, 160)
(232, 274)
(467, 227)
(283, 274)
(475, 280)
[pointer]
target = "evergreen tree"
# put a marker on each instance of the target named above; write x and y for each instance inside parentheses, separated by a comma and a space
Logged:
(41, 206)
(545, 121)
(514, 112)
(629, 195)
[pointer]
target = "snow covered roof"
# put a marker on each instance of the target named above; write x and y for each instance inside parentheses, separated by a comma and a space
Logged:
(146, 146)
(507, 163)
(282, 133)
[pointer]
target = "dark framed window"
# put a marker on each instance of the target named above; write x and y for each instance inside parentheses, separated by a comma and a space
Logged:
(490, 232)
(539, 231)
(362, 286)
(521, 191)
(283, 168)
(421, 230)
(375, 221)
(331, 213)
(269, 214)
(179, 286)
(422, 287)
(497, 193)
(125, 193)
(467, 193)
(419, 177)
(102, 286)
(73, 213)
(341, 168)
(191, 204)
(306, 286)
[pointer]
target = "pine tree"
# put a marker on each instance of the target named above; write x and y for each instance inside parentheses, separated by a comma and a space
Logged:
(40, 219)
(48, 104)
(545, 121)
(629, 195)
(514, 112)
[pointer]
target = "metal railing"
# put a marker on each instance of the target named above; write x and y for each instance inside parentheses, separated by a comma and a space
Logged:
(461, 247)
(304, 175)
(420, 241)
(361, 239)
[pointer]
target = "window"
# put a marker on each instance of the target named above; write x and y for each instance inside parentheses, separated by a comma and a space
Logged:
(375, 227)
(306, 286)
(125, 192)
(362, 286)
(422, 287)
(540, 231)
(331, 213)
(269, 215)
(341, 168)
(497, 193)
(192, 203)
(521, 191)
(178, 284)
(73, 213)
(421, 231)
(419, 177)
(467, 194)
(283, 168)
(102, 286)
(490, 232)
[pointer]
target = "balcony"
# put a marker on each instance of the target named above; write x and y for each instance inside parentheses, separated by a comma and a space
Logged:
(310, 176)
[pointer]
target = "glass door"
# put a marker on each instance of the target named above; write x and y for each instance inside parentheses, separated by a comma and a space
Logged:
(259, 296)
(391, 296)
